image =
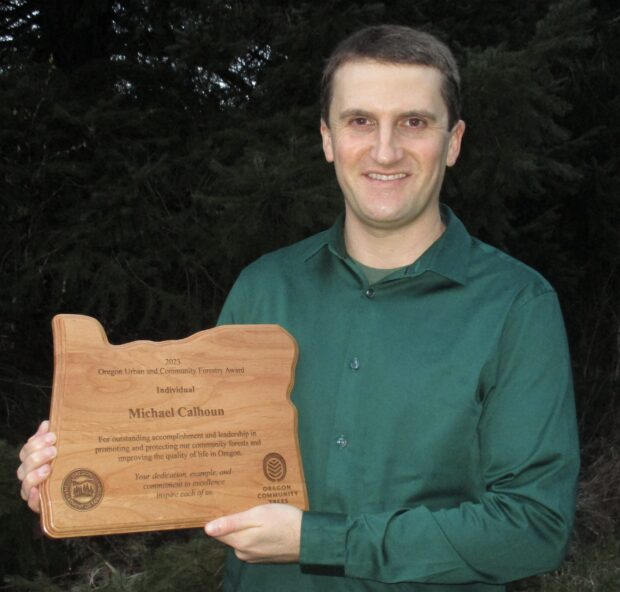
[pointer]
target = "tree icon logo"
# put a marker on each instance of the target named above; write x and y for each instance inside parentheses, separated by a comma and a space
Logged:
(274, 467)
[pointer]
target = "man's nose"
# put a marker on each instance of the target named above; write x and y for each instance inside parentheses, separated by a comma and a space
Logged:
(386, 148)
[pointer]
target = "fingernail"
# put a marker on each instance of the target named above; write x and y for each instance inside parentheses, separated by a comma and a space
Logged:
(49, 438)
(44, 470)
(212, 528)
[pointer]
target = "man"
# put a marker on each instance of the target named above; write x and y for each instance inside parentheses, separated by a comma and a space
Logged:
(436, 415)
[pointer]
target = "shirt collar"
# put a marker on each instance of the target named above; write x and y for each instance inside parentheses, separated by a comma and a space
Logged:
(447, 256)
(332, 238)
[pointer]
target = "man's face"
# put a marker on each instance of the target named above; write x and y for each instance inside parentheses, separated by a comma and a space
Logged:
(388, 138)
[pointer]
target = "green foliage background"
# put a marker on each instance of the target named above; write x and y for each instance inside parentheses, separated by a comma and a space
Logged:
(149, 149)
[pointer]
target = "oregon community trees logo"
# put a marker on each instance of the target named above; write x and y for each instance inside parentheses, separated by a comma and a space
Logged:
(274, 467)
(82, 490)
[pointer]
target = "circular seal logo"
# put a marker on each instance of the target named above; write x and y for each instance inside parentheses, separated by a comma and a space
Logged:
(274, 467)
(82, 490)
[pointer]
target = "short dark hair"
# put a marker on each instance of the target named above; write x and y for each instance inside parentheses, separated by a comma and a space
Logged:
(394, 44)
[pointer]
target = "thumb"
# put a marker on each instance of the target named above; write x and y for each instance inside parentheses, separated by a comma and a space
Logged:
(231, 523)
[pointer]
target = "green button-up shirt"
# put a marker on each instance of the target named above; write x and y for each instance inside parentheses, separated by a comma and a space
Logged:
(436, 417)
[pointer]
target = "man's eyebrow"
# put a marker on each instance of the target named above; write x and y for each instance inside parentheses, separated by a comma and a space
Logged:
(347, 113)
(421, 114)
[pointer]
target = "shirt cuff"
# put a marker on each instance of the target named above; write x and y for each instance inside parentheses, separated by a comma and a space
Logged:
(323, 539)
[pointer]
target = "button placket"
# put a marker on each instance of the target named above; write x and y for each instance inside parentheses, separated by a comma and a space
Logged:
(343, 460)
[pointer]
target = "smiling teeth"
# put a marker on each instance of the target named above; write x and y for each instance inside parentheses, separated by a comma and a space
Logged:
(378, 177)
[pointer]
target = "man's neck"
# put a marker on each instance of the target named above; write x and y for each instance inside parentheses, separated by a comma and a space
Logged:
(391, 248)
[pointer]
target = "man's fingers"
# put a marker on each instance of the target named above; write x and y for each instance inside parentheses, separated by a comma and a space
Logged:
(264, 534)
(36, 460)
(35, 457)
(35, 443)
(217, 528)
(34, 479)
(44, 427)
(232, 523)
(30, 486)
(34, 500)
(223, 526)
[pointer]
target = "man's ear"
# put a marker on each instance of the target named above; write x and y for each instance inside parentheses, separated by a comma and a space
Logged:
(328, 148)
(454, 146)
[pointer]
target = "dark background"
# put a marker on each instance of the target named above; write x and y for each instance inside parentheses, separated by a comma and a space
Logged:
(149, 149)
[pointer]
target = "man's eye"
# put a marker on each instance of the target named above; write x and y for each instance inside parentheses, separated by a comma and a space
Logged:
(415, 123)
(360, 121)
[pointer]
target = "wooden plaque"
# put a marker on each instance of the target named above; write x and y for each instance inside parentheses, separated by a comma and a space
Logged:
(166, 435)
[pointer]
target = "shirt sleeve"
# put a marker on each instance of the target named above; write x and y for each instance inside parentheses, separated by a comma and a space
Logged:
(521, 523)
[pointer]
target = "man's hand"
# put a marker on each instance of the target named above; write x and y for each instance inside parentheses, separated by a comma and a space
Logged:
(35, 456)
(264, 534)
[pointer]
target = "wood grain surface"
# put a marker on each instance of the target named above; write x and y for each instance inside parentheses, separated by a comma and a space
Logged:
(166, 435)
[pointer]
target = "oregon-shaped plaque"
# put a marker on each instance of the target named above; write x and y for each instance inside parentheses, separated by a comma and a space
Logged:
(171, 434)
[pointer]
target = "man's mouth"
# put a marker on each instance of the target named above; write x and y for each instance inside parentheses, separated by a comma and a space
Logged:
(381, 177)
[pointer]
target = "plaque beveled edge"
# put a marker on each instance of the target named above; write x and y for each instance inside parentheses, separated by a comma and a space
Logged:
(58, 331)
(59, 341)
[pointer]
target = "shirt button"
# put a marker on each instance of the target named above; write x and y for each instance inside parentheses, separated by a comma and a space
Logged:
(369, 293)
(341, 441)
(354, 364)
